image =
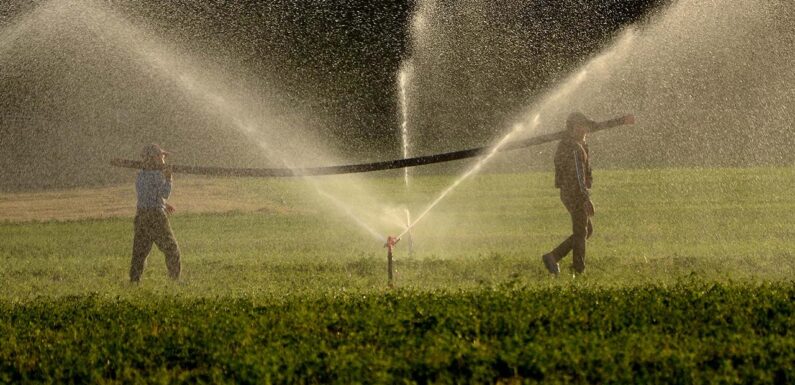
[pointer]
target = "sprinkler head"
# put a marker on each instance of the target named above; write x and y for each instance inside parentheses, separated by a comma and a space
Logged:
(391, 242)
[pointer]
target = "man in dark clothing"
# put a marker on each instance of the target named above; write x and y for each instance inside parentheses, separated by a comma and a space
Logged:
(573, 178)
(153, 187)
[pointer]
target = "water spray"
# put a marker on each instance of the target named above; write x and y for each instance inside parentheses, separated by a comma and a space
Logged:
(599, 63)
(403, 81)
(204, 92)
(208, 96)
(408, 233)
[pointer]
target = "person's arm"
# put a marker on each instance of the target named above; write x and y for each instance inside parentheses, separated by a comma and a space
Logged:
(587, 167)
(165, 186)
(626, 119)
(579, 167)
(165, 191)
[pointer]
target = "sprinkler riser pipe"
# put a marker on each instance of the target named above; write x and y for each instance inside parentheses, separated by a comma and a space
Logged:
(390, 244)
(389, 268)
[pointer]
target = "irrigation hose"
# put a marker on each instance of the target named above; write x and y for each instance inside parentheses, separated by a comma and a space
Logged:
(362, 167)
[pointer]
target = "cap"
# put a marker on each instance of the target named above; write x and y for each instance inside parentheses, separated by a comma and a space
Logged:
(578, 119)
(153, 150)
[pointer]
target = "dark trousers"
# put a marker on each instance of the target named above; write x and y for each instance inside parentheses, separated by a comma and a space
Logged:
(581, 228)
(152, 226)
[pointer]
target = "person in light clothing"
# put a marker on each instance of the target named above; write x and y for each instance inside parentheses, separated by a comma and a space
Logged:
(153, 187)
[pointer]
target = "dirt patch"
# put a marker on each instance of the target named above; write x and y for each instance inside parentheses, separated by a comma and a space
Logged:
(191, 195)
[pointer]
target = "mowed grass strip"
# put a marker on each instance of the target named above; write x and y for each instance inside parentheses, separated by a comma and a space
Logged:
(686, 333)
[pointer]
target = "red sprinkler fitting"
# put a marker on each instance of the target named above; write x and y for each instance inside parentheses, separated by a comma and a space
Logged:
(390, 244)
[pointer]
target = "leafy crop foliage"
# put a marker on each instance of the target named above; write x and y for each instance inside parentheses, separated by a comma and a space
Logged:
(686, 333)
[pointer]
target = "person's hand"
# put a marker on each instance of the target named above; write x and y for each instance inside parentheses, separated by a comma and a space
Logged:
(170, 209)
(629, 119)
(589, 209)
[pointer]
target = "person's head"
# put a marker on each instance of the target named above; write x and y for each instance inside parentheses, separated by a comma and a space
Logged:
(578, 125)
(153, 154)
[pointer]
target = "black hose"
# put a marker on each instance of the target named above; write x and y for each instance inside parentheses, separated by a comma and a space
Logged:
(362, 167)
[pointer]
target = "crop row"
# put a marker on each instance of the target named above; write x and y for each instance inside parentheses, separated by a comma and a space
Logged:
(688, 333)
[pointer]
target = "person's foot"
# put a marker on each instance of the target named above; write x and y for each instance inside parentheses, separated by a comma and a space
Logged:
(577, 273)
(551, 264)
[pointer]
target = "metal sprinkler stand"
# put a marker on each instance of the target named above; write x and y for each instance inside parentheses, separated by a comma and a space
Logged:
(390, 244)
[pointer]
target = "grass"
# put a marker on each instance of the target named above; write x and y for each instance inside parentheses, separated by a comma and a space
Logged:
(652, 226)
(689, 280)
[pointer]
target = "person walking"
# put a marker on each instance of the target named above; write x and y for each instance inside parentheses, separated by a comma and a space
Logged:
(573, 177)
(153, 187)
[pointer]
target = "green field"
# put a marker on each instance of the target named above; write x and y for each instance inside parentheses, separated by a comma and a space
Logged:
(689, 279)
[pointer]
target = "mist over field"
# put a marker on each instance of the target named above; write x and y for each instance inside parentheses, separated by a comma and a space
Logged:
(285, 83)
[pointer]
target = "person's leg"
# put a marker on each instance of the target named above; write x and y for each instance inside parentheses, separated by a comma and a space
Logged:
(571, 204)
(580, 231)
(167, 243)
(562, 250)
(142, 245)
